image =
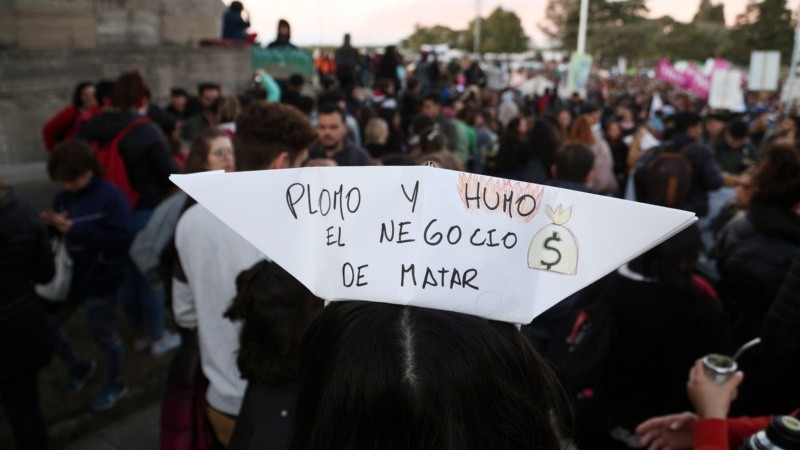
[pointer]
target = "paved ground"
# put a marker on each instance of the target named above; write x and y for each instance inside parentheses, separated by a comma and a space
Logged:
(138, 431)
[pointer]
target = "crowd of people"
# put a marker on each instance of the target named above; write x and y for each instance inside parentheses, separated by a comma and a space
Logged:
(261, 364)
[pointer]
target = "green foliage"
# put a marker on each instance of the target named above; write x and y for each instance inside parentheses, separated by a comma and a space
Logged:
(619, 28)
(437, 34)
(766, 25)
(501, 32)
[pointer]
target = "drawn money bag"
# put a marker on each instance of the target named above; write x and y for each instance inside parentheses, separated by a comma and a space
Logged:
(554, 248)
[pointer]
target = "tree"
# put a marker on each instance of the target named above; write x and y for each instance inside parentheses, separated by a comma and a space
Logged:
(708, 13)
(437, 34)
(764, 25)
(501, 32)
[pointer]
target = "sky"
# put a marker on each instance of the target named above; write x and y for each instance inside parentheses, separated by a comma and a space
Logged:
(381, 22)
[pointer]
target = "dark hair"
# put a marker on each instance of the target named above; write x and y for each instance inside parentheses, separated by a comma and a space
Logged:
(573, 163)
(738, 130)
(265, 130)
(331, 108)
(431, 139)
(333, 96)
(202, 87)
(178, 92)
(434, 97)
(71, 160)
(104, 89)
(236, 6)
(401, 377)
(275, 310)
(777, 177)
(297, 80)
(129, 89)
(673, 260)
(685, 120)
(198, 151)
(225, 108)
(76, 94)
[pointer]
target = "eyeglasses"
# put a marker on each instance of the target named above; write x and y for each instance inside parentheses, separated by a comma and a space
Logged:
(222, 152)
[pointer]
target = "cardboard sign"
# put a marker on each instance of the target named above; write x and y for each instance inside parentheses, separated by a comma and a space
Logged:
(282, 63)
(764, 71)
(433, 238)
(726, 92)
(580, 68)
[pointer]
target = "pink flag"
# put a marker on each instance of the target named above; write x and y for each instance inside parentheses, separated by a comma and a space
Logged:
(698, 83)
(665, 71)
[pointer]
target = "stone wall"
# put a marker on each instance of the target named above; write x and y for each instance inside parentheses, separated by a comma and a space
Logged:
(34, 85)
(74, 24)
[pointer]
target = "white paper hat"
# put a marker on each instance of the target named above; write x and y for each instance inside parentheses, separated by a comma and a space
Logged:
(433, 238)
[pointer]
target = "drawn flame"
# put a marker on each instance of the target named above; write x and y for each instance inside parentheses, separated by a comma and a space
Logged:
(559, 216)
(492, 188)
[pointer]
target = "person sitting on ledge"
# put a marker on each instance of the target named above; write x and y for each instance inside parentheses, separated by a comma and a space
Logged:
(235, 23)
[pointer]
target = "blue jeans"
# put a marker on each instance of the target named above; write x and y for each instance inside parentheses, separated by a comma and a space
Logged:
(101, 319)
(143, 306)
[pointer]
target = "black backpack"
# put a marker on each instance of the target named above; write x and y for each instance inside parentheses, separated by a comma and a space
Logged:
(582, 354)
(666, 179)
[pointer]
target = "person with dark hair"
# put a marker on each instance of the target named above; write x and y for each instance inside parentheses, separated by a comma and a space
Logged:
(181, 106)
(733, 154)
(25, 343)
(103, 94)
(211, 256)
(402, 377)
(293, 94)
(614, 136)
(235, 22)
(337, 97)
(331, 142)
(148, 163)
(572, 168)
(283, 37)
(206, 94)
(387, 66)
(274, 309)
(603, 182)
(429, 147)
(706, 174)
(67, 122)
(94, 218)
(515, 159)
(664, 320)
(431, 106)
(754, 250)
(348, 62)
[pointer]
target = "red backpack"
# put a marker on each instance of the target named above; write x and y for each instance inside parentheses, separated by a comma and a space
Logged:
(110, 159)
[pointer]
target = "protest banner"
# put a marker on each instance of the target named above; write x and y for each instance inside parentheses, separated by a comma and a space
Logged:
(665, 71)
(726, 92)
(697, 82)
(764, 71)
(281, 63)
(434, 238)
(580, 67)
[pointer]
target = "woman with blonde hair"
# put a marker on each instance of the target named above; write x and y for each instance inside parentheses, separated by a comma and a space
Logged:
(603, 182)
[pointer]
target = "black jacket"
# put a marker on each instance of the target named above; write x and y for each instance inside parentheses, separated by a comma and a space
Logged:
(706, 173)
(144, 150)
(25, 258)
(99, 238)
(265, 418)
(754, 253)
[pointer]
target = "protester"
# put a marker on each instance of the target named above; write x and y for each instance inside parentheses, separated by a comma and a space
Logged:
(94, 219)
(147, 164)
(211, 255)
(331, 142)
(432, 107)
(193, 126)
(388, 376)
(603, 181)
(224, 111)
(572, 168)
(348, 62)
(275, 309)
(235, 22)
(376, 135)
(66, 123)
(755, 251)
(25, 343)
(515, 159)
(283, 37)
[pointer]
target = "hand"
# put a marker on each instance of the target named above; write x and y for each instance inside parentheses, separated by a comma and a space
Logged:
(667, 432)
(711, 399)
(59, 221)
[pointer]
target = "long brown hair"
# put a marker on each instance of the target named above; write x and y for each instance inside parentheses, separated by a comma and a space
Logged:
(581, 131)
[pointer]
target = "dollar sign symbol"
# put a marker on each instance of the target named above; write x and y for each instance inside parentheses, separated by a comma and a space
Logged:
(554, 237)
